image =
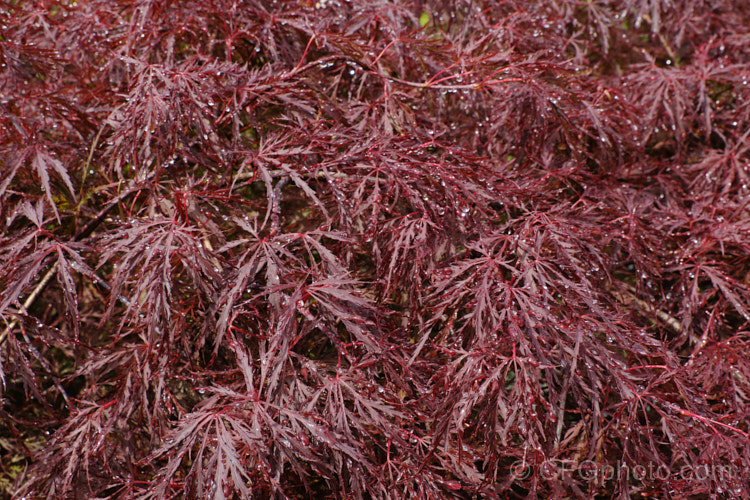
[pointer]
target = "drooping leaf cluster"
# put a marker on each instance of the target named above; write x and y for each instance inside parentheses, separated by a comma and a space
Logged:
(379, 249)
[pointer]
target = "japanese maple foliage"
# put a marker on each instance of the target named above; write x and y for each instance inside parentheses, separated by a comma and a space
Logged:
(377, 249)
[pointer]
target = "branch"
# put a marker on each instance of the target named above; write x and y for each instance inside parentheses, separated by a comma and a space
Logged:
(647, 309)
(29, 301)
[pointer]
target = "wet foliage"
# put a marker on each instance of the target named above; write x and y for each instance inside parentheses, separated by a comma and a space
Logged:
(334, 249)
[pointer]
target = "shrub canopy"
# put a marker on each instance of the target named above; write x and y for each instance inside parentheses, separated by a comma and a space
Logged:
(378, 249)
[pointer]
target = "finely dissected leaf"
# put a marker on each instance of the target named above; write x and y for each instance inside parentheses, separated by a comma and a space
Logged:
(42, 161)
